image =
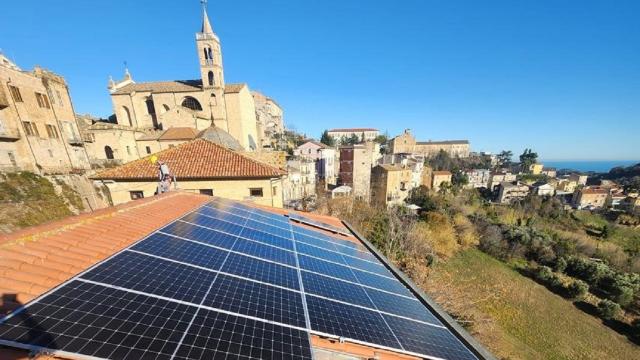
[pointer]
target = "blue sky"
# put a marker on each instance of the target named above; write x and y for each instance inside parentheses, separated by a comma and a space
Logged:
(561, 77)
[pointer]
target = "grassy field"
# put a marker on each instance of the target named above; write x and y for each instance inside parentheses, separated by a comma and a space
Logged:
(517, 318)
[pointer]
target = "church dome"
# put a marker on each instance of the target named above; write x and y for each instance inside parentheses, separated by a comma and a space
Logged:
(220, 137)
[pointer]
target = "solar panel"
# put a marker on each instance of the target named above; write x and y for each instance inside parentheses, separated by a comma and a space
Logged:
(231, 281)
(318, 224)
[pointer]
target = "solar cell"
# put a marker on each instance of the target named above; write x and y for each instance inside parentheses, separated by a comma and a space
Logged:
(407, 307)
(207, 221)
(257, 300)
(153, 276)
(332, 239)
(223, 215)
(370, 266)
(98, 321)
(319, 253)
(265, 251)
(335, 289)
(380, 282)
(274, 230)
(318, 224)
(348, 321)
(427, 339)
(267, 238)
(315, 242)
(181, 250)
(215, 335)
(201, 234)
(261, 270)
(326, 268)
(356, 253)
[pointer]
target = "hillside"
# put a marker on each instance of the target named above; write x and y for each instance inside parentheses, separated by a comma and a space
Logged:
(515, 317)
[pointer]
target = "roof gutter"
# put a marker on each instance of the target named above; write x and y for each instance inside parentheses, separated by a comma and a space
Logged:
(442, 315)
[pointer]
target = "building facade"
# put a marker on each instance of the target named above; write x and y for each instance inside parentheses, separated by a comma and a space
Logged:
(270, 119)
(38, 130)
(355, 169)
(590, 197)
(363, 134)
(390, 184)
(509, 192)
(406, 143)
(478, 178)
(301, 180)
(438, 178)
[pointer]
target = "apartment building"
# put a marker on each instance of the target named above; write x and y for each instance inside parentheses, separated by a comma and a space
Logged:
(363, 134)
(390, 184)
(355, 168)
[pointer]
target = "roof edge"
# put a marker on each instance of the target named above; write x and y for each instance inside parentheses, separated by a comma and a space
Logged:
(462, 335)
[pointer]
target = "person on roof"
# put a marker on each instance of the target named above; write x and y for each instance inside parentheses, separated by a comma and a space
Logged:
(164, 177)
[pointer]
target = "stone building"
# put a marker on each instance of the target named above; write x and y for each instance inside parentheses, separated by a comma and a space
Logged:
(390, 184)
(406, 143)
(497, 177)
(198, 104)
(363, 134)
(590, 197)
(199, 166)
(38, 130)
(301, 179)
(509, 192)
(270, 119)
(438, 178)
(355, 168)
(478, 178)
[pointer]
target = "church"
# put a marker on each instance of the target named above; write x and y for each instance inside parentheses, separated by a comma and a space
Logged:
(207, 104)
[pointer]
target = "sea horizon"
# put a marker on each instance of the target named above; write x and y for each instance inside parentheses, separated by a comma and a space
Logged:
(601, 166)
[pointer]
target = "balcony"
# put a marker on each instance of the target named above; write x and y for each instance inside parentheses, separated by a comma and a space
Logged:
(75, 140)
(9, 134)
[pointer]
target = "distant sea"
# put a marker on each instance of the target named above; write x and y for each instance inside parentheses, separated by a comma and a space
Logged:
(586, 165)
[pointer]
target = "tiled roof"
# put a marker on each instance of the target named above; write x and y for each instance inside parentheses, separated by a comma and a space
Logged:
(197, 159)
(179, 133)
(444, 172)
(594, 191)
(233, 88)
(36, 259)
(352, 129)
(445, 142)
(162, 86)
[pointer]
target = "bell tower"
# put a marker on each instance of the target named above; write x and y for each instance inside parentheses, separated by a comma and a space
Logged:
(211, 70)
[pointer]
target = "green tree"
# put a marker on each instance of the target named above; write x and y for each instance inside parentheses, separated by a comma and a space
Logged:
(352, 140)
(608, 309)
(381, 139)
(504, 158)
(327, 139)
(459, 179)
(527, 159)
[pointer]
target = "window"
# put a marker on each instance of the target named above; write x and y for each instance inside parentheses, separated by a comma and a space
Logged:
(43, 100)
(12, 158)
(128, 150)
(274, 191)
(208, 192)
(15, 93)
(52, 132)
(136, 194)
(255, 192)
(211, 79)
(148, 150)
(165, 108)
(108, 152)
(59, 98)
(30, 128)
(191, 103)
(151, 109)
(213, 101)
(50, 94)
(50, 153)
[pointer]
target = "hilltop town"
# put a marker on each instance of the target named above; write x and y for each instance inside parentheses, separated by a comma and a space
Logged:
(424, 204)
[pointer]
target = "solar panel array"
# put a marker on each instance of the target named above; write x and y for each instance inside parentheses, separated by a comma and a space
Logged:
(319, 224)
(233, 281)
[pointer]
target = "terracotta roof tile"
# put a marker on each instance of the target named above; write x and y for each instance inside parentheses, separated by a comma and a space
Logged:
(197, 159)
(179, 133)
(162, 86)
(36, 259)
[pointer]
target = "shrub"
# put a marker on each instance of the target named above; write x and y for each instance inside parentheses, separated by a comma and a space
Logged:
(560, 264)
(608, 309)
(585, 269)
(492, 242)
(617, 287)
(577, 290)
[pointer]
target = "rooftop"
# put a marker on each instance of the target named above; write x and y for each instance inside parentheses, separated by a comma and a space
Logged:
(445, 142)
(442, 172)
(113, 270)
(179, 133)
(196, 159)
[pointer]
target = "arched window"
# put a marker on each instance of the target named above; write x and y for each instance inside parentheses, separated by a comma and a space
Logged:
(206, 54)
(191, 103)
(213, 100)
(211, 79)
(127, 115)
(210, 54)
(108, 151)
